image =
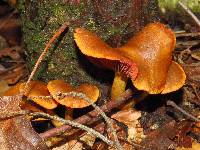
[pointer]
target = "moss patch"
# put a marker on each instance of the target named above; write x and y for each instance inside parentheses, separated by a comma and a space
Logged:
(41, 18)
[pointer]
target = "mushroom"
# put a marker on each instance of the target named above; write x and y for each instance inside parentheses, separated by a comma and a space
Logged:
(57, 87)
(14, 91)
(151, 51)
(105, 56)
(37, 89)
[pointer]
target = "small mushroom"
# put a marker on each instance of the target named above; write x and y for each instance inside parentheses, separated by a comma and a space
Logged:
(151, 50)
(59, 86)
(14, 91)
(37, 89)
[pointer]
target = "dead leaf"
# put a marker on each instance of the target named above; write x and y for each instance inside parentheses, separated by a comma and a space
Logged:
(161, 138)
(71, 145)
(196, 55)
(100, 146)
(3, 43)
(3, 87)
(17, 133)
(183, 128)
(88, 139)
(192, 73)
(130, 118)
(195, 146)
(2, 68)
(125, 146)
(14, 75)
(12, 52)
(172, 133)
(10, 28)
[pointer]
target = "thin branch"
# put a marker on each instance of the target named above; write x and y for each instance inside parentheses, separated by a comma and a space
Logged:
(9, 97)
(190, 13)
(171, 103)
(48, 45)
(90, 117)
(109, 121)
(187, 34)
(192, 64)
(98, 109)
(71, 123)
(74, 124)
(11, 114)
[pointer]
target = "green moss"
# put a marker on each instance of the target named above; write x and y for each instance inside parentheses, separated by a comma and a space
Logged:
(171, 5)
(40, 21)
(91, 24)
(42, 18)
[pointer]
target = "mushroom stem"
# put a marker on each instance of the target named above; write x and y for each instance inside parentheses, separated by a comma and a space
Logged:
(68, 116)
(119, 85)
(56, 123)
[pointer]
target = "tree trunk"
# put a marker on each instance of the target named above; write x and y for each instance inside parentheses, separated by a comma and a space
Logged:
(114, 20)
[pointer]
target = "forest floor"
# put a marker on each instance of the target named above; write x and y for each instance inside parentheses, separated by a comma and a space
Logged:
(160, 122)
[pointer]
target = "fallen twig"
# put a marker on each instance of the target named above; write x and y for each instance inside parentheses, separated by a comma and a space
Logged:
(90, 117)
(11, 114)
(74, 124)
(71, 123)
(187, 34)
(48, 45)
(171, 103)
(190, 13)
(98, 109)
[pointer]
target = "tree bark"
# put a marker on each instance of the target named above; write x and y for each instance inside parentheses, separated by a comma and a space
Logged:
(114, 20)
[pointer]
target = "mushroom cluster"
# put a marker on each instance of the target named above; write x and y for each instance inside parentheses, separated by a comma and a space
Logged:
(39, 90)
(146, 59)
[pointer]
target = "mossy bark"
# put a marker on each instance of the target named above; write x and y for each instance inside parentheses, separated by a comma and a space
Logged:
(115, 21)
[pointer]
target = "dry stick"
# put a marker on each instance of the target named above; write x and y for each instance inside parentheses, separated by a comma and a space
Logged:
(90, 117)
(9, 97)
(190, 13)
(48, 45)
(171, 103)
(74, 124)
(98, 109)
(188, 34)
(11, 114)
(71, 123)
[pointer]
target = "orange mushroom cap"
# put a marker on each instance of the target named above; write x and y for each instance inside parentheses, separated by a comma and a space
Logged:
(175, 79)
(59, 86)
(13, 91)
(151, 49)
(102, 54)
(37, 89)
